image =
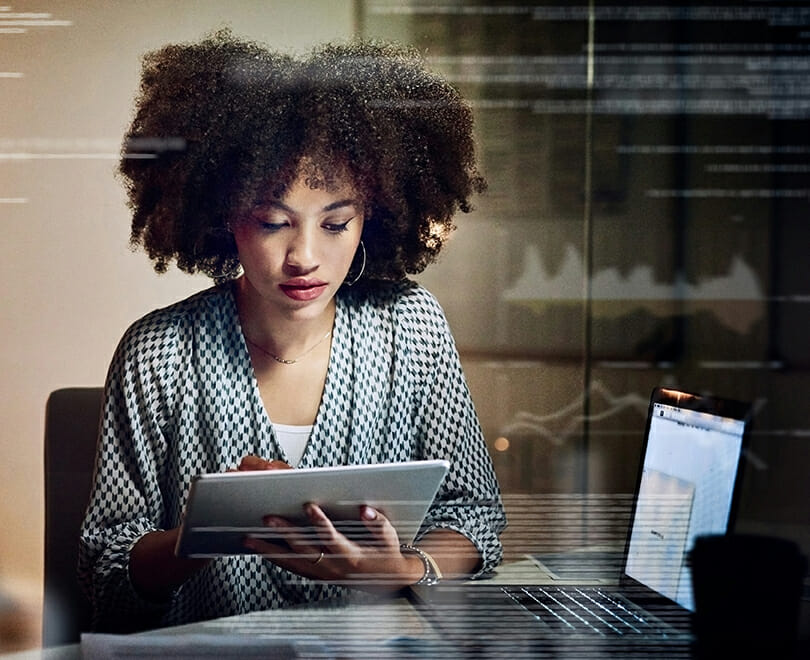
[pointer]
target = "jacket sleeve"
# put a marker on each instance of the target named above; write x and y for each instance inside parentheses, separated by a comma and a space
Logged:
(126, 500)
(469, 500)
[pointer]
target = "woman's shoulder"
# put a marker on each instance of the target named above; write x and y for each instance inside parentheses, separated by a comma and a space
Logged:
(404, 299)
(198, 310)
(407, 310)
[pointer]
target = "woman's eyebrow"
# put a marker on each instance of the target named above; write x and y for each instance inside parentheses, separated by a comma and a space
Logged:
(279, 205)
(339, 204)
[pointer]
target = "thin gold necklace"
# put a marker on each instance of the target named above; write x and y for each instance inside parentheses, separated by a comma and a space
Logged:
(281, 360)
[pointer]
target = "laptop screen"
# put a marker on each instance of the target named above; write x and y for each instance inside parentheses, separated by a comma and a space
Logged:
(686, 490)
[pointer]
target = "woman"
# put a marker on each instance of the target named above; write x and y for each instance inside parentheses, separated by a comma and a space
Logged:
(308, 190)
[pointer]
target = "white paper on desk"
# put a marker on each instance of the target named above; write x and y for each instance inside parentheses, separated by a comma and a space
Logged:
(199, 645)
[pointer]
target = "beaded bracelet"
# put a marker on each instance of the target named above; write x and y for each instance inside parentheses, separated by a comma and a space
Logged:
(433, 574)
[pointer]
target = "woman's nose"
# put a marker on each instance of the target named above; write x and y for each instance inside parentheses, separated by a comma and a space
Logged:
(301, 252)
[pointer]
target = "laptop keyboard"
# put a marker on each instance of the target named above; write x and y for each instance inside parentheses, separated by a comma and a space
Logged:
(588, 610)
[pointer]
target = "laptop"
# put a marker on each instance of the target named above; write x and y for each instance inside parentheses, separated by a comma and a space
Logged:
(687, 486)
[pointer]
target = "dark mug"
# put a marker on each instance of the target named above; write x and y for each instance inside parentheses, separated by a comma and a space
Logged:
(747, 591)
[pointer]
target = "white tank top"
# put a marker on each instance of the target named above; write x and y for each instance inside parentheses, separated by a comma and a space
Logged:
(293, 440)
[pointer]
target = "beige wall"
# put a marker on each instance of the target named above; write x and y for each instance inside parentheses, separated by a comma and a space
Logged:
(70, 284)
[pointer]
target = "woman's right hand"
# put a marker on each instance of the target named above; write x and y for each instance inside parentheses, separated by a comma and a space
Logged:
(252, 463)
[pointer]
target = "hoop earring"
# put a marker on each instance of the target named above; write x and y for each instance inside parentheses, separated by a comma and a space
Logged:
(362, 268)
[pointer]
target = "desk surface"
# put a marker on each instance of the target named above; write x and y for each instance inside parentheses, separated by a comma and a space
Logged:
(375, 630)
(354, 630)
(385, 629)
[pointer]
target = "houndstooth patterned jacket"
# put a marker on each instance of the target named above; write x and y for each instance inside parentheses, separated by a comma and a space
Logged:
(181, 399)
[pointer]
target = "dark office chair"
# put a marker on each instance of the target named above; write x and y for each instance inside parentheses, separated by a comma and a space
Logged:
(71, 427)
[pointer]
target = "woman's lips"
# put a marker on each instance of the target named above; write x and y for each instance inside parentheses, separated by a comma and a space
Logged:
(303, 289)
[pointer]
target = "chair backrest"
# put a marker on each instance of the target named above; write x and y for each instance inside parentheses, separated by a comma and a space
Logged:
(71, 430)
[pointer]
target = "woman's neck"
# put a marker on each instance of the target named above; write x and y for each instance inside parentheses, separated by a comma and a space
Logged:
(280, 334)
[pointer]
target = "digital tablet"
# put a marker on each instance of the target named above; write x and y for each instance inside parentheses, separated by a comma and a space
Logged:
(225, 508)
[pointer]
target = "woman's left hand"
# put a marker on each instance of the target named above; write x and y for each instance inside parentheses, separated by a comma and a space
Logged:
(321, 552)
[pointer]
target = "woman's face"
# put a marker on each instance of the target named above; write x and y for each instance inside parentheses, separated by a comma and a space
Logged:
(297, 250)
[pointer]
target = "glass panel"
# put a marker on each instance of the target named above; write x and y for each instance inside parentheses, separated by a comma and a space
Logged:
(646, 224)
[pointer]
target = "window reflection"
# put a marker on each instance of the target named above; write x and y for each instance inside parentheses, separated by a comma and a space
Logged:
(645, 225)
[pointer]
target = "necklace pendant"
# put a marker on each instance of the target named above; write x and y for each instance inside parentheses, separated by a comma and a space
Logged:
(282, 360)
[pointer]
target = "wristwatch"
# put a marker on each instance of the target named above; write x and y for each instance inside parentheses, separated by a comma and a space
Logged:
(433, 574)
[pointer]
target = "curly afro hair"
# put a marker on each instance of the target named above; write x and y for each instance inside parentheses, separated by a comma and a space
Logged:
(222, 122)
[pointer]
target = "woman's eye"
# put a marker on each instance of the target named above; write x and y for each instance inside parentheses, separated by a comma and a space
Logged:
(337, 227)
(271, 226)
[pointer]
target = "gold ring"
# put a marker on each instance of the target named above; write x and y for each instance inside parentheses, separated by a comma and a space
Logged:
(318, 560)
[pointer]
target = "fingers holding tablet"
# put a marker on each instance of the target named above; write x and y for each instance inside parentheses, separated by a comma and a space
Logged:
(251, 463)
(321, 551)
